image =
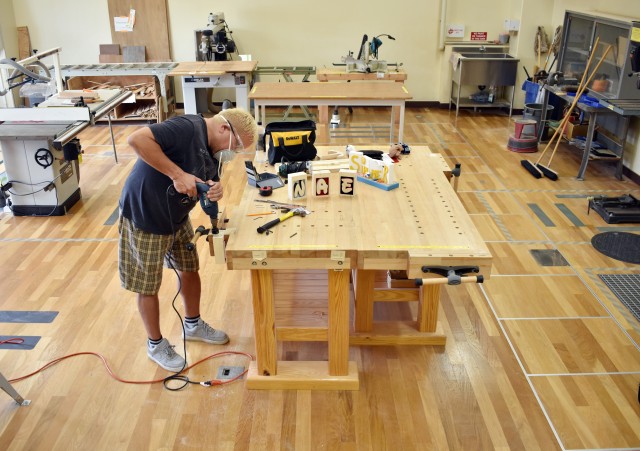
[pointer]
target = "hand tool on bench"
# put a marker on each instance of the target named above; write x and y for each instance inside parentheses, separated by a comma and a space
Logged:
(294, 212)
(282, 206)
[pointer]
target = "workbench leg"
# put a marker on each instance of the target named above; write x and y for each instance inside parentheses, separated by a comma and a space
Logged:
(625, 130)
(323, 114)
(401, 124)
(242, 97)
(363, 311)
(113, 140)
(338, 322)
(428, 308)
(264, 322)
(189, 98)
(591, 129)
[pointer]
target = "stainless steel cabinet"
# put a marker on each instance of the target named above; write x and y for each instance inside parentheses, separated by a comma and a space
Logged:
(580, 31)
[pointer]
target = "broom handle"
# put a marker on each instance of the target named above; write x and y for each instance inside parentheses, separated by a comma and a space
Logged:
(578, 94)
(575, 101)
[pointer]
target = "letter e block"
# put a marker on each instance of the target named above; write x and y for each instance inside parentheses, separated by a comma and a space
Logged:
(321, 181)
(297, 185)
(348, 178)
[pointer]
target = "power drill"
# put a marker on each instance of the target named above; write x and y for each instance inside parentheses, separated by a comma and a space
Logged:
(209, 207)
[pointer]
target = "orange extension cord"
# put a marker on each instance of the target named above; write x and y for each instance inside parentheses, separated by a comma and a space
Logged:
(113, 375)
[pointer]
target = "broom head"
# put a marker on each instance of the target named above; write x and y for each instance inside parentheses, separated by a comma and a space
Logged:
(533, 170)
(548, 172)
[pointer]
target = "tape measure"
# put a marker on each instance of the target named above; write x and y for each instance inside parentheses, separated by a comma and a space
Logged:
(266, 191)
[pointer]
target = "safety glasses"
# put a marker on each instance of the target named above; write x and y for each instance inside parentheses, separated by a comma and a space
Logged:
(239, 146)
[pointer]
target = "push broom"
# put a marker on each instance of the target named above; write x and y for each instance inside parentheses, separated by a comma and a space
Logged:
(546, 170)
(534, 168)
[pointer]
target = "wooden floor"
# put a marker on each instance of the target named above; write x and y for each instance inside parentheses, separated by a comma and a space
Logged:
(537, 358)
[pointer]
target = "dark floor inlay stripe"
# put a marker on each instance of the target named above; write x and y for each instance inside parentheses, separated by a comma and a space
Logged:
(541, 215)
(113, 218)
(25, 316)
(30, 342)
(569, 214)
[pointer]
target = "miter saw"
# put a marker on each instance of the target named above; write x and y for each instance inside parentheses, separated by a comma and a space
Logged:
(367, 60)
(214, 43)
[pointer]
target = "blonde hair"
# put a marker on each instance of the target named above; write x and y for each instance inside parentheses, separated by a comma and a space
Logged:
(243, 124)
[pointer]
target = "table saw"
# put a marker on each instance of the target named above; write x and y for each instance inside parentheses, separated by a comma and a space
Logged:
(40, 147)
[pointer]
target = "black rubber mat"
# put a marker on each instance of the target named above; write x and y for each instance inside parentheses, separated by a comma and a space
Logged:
(626, 287)
(622, 246)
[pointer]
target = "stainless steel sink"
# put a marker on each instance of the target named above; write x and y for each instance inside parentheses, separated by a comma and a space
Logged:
(486, 67)
(486, 55)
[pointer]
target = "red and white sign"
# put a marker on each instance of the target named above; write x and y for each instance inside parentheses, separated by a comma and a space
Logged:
(478, 35)
(455, 31)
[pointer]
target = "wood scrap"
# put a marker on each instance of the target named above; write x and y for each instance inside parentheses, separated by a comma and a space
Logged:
(72, 94)
(24, 43)
(109, 49)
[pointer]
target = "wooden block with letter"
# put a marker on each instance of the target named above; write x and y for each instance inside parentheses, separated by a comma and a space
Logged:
(297, 185)
(321, 183)
(347, 184)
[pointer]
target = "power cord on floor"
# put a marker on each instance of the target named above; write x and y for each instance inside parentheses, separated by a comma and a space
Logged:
(208, 383)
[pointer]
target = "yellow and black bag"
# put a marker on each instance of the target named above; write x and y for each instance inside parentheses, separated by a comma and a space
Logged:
(290, 141)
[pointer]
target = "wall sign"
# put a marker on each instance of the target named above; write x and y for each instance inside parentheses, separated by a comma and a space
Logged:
(478, 35)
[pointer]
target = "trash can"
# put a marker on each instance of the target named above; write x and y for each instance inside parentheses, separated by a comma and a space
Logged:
(534, 111)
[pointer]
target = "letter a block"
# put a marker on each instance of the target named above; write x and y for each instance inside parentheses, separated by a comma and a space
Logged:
(321, 182)
(348, 179)
(297, 185)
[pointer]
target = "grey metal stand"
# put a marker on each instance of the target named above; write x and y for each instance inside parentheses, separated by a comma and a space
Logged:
(6, 386)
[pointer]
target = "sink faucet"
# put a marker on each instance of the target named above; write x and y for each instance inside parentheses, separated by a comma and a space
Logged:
(483, 48)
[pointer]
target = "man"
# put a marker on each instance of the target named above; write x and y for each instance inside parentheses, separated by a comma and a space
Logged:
(154, 216)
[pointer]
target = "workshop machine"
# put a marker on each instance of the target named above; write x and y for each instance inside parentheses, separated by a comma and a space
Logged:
(367, 60)
(214, 43)
(39, 144)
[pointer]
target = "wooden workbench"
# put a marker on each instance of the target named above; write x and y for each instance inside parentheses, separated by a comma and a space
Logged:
(421, 223)
(364, 93)
(324, 74)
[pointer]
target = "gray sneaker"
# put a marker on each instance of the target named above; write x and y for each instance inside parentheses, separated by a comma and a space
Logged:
(164, 355)
(204, 332)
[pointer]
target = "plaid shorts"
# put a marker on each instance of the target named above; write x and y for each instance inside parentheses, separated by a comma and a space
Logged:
(142, 254)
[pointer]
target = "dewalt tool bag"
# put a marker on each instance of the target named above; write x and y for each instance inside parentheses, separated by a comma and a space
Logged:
(290, 141)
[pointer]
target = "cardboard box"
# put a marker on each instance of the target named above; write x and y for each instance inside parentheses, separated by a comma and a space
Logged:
(572, 130)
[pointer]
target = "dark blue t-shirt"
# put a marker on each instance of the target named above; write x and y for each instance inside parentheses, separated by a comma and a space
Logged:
(148, 198)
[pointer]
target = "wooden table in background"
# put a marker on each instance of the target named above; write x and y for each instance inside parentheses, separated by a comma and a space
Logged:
(325, 74)
(365, 93)
(214, 74)
(421, 223)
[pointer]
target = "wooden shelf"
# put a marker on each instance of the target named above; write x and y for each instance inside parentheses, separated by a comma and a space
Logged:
(140, 109)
